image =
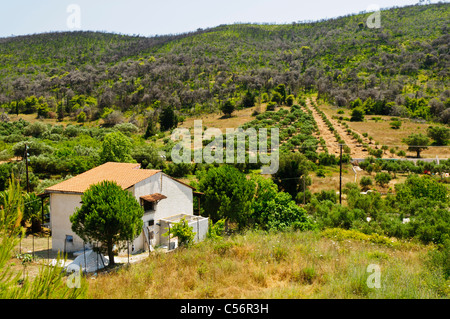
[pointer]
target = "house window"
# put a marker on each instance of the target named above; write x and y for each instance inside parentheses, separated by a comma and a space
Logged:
(149, 206)
(151, 222)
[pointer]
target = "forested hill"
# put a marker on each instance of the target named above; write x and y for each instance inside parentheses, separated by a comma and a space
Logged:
(401, 68)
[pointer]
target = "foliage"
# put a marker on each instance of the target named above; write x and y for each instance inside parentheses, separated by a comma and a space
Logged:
(116, 147)
(382, 178)
(168, 119)
(292, 168)
(50, 282)
(228, 107)
(227, 194)
(343, 234)
(273, 210)
(440, 134)
(357, 115)
(147, 156)
(194, 72)
(421, 187)
(396, 124)
(215, 230)
(417, 142)
(365, 182)
(184, 232)
(108, 215)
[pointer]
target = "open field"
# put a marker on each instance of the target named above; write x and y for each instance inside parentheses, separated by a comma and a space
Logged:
(378, 126)
(217, 120)
(282, 265)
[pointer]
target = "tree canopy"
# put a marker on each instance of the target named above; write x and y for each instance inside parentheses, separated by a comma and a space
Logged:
(108, 215)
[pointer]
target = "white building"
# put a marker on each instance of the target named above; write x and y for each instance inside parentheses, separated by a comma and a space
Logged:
(162, 197)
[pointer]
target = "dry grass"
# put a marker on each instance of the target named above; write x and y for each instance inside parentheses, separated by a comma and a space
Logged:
(32, 118)
(282, 265)
(382, 132)
(217, 120)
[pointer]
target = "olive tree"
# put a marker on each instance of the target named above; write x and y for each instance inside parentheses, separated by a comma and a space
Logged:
(417, 142)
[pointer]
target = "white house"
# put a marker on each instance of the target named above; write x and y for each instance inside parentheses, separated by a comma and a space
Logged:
(162, 197)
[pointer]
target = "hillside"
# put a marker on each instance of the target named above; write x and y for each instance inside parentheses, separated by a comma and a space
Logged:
(400, 69)
(354, 185)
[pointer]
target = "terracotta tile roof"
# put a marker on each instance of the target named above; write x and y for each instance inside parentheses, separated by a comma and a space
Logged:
(124, 174)
(153, 197)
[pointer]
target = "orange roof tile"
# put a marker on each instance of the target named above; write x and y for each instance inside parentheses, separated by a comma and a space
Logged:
(124, 174)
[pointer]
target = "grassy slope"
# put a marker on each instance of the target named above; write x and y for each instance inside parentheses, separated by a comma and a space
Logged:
(282, 265)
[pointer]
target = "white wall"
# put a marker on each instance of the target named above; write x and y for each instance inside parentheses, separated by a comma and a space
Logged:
(179, 200)
(62, 206)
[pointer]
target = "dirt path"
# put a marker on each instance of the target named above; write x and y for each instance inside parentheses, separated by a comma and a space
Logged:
(356, 149)
(330, 140)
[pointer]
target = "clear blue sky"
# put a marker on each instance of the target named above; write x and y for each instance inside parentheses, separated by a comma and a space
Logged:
(150, 17)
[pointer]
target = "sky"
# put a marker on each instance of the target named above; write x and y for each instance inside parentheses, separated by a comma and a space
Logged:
(148, 18)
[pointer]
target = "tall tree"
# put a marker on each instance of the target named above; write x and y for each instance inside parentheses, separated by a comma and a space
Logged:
(417, 142)
(109, 215)
(228, 107)
(440, 134)
(168, 119)
(228, 194)
(116, 147)
(292, 169)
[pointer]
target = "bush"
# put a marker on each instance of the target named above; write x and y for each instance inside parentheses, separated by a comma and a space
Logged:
(327, 159)
(357, 115)
(34, 148)
(36, 129)
(342, 234)
(113, 119)
(215, 231)
(395, 124)
(81, 118)
(382, 178)
(290, 100)
(127, 128)
(440, 258)
(327, 195)
(440, 134)
(228, 107)
(365, 183)
(179, 169)
(184, 232)
(271, 106)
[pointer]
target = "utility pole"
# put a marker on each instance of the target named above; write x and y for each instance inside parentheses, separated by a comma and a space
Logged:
(304, 189)
(340, 176)
(26, 165)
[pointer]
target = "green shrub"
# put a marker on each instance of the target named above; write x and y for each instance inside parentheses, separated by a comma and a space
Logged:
(81, 117)
(382, 178)
(271, 106)
(396, 124)
(357, 115)
(184, 232)
(365, 183)
(343, 234)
